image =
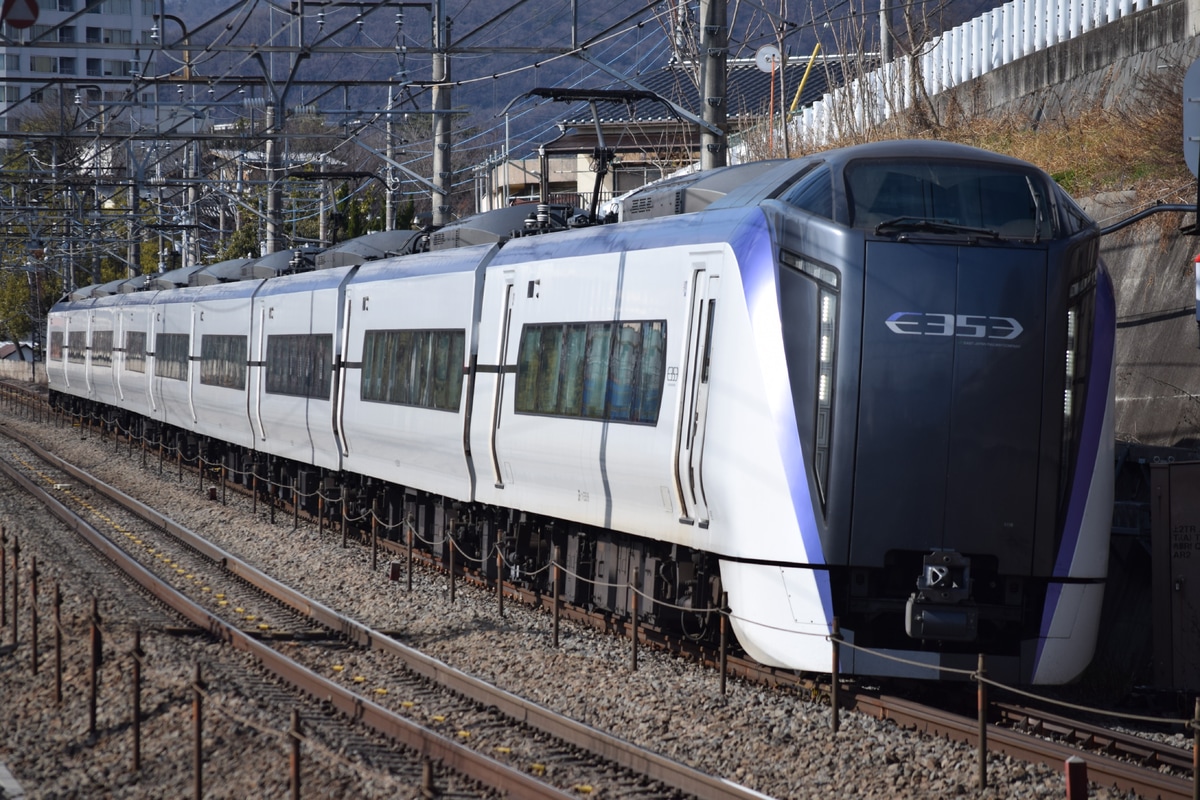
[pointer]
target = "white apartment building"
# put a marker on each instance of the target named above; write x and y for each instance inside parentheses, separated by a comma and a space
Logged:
(84, 54)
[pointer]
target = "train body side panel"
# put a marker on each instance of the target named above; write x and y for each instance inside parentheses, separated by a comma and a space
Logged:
(219, 397)
(103, 324)
(132, 370)
(75, 376)
(410, 443)
(171, 387)
(55, 355)
(292, 425)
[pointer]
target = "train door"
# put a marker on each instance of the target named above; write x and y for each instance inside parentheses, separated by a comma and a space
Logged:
(694, 398)
(501, 361)
(258, 360)
(87, 356)
(193, 372)
(339, 374)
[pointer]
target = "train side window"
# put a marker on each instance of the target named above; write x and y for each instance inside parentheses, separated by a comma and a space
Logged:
(623, 370)
(135, 351)
(102, 349)
(570, 394)
(300, 364)
(223, 361)
(77, 347)
(171, 356)
(528, 366)
(56, 346)
(813, 193)
(597, 370)
(414, 368)
(653, 367)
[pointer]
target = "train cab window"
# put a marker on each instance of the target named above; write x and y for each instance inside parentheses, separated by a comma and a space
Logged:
(223, 361)
(947, 197)
(102, 349)
(135, 351)
(56, 346)
(77, 347)
(171, 352)
(421, 368)
(812, 193)
(300, 364)
(1074, 217)
(593, 370)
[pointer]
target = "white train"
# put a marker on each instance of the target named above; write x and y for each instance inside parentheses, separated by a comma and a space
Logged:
(873, 385)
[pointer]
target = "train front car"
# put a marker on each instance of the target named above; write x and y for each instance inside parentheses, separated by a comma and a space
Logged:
(948, 333)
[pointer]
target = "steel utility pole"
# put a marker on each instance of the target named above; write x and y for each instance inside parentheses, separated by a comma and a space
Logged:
(714, 55)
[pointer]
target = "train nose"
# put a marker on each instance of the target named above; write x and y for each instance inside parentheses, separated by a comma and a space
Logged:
(942, 606)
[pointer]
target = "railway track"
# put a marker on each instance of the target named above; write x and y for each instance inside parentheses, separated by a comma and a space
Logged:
(1129, 763)
(499, 740)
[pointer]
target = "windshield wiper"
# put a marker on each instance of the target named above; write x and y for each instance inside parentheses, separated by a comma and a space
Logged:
(902, 224)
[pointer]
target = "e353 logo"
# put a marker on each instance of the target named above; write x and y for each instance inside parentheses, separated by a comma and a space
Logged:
(965, 326)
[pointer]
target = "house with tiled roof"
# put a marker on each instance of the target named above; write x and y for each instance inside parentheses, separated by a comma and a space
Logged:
(647, 137)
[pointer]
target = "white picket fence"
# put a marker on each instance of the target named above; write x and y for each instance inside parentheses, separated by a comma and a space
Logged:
(1002, 35)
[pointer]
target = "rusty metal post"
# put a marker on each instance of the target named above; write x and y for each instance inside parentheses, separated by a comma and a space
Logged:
(16, 580)
(320, 511)
(94, 671)
(982, 724)
(294, 762)
(137, 700)
(58, 668)
(3, 579)
(224, 480)
(161, 451)
(724, 654)
(345, 521)
(33, 614)
(198, 733)
(428, 790)
(1077, 780)
(142, 436)
(295, 502)
(410, 558)
(500, 572)
(835, 637)
(254, 489)
(178, 459)
(200, 462)
(554, 593)
(450, 571)
(374, 533)
(633, 627)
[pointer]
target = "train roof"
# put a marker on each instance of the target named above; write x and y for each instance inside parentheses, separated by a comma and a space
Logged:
(370, 247)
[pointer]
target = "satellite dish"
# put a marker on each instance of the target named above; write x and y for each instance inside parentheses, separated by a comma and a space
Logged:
(767, 57)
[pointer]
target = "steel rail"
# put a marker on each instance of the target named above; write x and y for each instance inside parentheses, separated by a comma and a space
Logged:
(1097, 738)
(677, 775)
(1103, 770)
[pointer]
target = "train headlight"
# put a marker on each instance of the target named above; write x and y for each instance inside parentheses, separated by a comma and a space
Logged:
(828, 344)
(1072, 349)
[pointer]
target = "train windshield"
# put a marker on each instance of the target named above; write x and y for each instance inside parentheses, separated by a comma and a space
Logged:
(931, 196)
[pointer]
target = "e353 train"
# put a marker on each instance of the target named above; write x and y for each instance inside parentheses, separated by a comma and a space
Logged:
(872, 385)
